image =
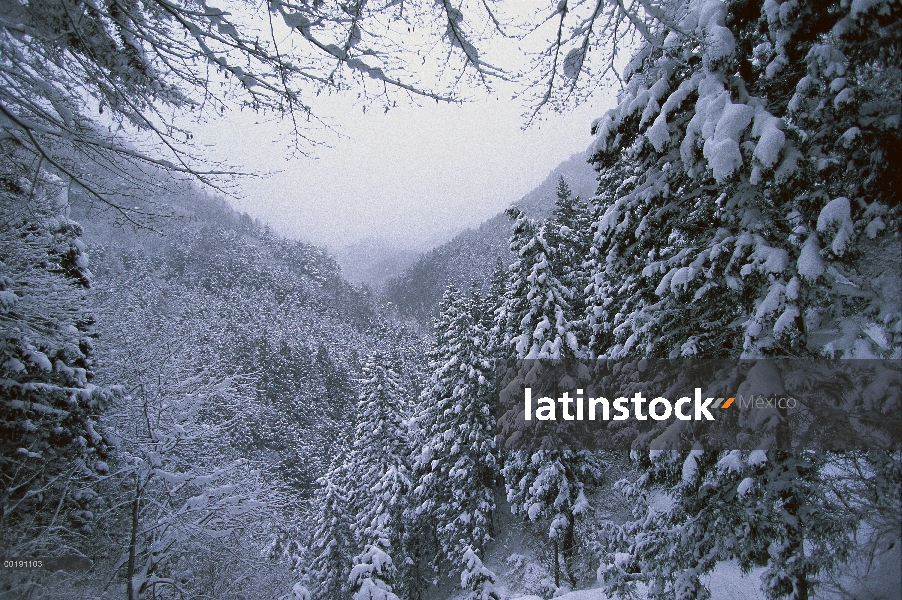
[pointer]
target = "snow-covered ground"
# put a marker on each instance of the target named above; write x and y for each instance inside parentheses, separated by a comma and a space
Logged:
(880, 580)
(517, 558)
(726, 582)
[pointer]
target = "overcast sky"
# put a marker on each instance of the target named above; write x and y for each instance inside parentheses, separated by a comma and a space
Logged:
(414, 176)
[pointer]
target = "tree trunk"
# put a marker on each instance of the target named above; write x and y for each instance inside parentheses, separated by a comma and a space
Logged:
(132, 546)
(801, 588)
(793, 501)
(568, 549)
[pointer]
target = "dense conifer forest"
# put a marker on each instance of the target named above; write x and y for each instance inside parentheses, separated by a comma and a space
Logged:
(194, 406)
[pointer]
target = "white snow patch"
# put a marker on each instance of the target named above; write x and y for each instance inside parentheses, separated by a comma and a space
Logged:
(721, 147)
(877, 334)
(732, 462)
(7, 299)
(874, 227)
(771, 260)
(792, 288)
(40, 360)
(690, 465)
(771, 302)
(837, 84)
(664, 285)
(721, 43)
(786, 321)
(849, 136)
(672, 41)
(744, 486)
(840, 278)
(839, 211)
(810, 265)
(733, 121)
(14, 365)
(723, 157)
(757, 457)
(659, 133)
(844, 97)
(767, 151)
(683, 276)
(299, 592)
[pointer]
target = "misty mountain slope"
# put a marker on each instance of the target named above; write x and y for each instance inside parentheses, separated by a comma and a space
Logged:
(473, 254)
(373, 261)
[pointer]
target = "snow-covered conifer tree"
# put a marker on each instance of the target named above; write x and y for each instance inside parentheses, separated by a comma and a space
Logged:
(49, 414)
(747, 209)
(750, 182)
(333, 538)
(760, 508)
(544, 477)
(372, 571)
(378, 470)
(548, 485)
(457, 464)
(476, 578)
(539, 322)
(569, 233)
(495, 296)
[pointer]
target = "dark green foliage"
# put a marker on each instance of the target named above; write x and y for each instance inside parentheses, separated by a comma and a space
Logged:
(746, 209)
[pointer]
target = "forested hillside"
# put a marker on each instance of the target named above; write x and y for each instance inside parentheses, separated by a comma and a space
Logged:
(271, 311)
(231, 359)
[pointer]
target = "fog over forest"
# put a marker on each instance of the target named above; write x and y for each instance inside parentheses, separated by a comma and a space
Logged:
(451, 300)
